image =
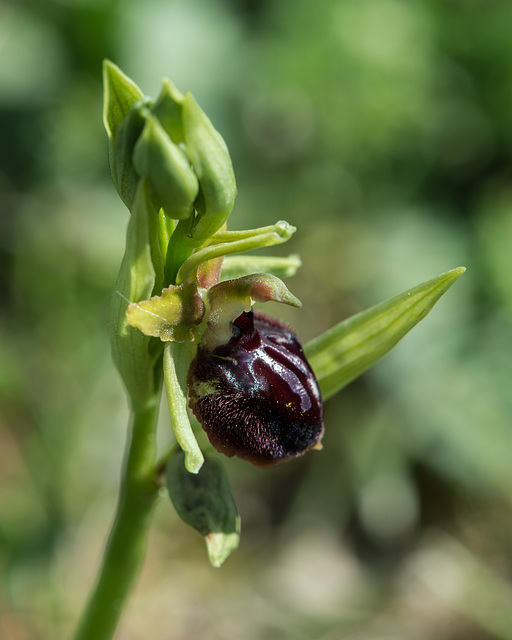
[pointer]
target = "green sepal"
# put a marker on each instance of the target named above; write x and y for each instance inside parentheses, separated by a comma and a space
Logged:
(176, 361)
(173, 183)
(120, 94)
(282, 267)
(210, 158)
(204, 501)
(228, 242)
(281, 229)
(171, 316)
(124, 114)
(227, 300)
(135, 354)
(344, 352)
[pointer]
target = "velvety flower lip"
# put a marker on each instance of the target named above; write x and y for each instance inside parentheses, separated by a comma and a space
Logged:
(256, 396)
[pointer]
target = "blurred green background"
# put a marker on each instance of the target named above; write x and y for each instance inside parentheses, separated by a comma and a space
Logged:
(383, 130)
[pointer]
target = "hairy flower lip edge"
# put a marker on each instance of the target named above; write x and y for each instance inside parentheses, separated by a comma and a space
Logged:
(264, 417)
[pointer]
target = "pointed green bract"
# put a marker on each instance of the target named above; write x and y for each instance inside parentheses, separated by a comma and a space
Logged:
(344, 352)
(131, 349)
(119, 95)
(204, 501)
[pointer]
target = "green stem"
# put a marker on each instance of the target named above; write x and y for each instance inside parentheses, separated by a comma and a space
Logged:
(125, 550)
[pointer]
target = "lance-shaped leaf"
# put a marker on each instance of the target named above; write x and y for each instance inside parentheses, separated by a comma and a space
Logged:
(171, 316)
(204, 501)
(228, 300)
(344, 352)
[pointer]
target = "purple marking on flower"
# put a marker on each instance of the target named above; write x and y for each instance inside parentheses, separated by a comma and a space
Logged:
(256, 396)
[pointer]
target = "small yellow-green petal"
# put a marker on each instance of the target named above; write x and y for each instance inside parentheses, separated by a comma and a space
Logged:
(171, 316)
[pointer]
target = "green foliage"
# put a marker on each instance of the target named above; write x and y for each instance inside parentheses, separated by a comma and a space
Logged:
(134, 354)
(344, 352)
(204, 501)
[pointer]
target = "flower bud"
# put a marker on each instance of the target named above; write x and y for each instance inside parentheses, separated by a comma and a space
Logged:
(210, 158)
(173, 184)
(168, 111)
(256, 395)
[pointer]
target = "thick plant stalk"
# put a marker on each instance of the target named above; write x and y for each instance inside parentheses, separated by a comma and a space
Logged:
(126, 545)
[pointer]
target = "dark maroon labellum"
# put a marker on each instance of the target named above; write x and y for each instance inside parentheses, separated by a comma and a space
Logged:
(256, 396)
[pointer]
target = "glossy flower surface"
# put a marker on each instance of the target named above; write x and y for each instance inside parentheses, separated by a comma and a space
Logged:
(256, 396)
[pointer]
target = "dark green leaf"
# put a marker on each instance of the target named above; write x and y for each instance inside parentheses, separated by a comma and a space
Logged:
(204, 501)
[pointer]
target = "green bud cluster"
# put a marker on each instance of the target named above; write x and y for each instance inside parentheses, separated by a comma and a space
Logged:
(171, 144)
(172, 170)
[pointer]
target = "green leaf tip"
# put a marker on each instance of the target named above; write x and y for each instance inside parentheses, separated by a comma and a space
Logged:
(344, 352)
(120, 94)
(204, 501)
